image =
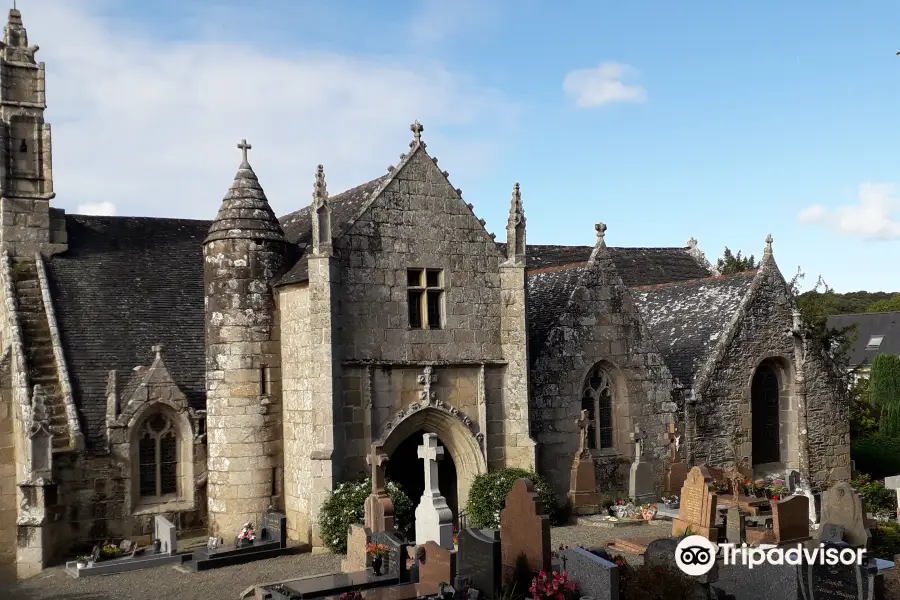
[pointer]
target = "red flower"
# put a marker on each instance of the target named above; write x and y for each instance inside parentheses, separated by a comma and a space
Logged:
(774, 497)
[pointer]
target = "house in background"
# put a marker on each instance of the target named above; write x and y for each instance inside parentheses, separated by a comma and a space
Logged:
(876, 333)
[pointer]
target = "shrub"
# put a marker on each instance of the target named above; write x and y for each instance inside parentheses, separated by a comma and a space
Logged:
(878, 499)
(886, 540)
(884, 390)
(876, 455)
(487, 496)
(346, 506)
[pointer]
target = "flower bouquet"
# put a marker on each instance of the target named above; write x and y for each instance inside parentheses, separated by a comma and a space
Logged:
(377, 552)
(247, 535)
(648, 511)
(621, 509)
(553, 586)
(670, 501)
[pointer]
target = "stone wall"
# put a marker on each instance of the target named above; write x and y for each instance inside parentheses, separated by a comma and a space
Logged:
(8, 481)
(601, 325)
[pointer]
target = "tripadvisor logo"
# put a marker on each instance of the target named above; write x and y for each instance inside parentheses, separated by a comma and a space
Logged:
(695, 555)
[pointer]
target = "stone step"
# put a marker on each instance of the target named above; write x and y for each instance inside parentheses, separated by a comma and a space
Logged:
(28, 284)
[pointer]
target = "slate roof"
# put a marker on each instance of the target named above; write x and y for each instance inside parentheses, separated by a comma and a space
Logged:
(548, 291)
(125, 284)
(687, 318)
(245, 212)
(298, 227)
(885, 324)
(636, 266)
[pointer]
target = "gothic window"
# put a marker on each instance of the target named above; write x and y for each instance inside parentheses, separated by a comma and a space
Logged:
(158, 457)
(596, 398)
(425, 295)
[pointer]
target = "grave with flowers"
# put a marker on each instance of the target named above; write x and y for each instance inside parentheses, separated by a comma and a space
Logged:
(248, 546)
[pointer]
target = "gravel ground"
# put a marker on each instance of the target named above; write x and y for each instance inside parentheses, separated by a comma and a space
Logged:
(165, 583)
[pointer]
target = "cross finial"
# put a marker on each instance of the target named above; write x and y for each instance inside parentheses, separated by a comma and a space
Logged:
(692, 243)
(769, 241)
(601, 233)
(157, 350)
(243, 147)
(417, 130)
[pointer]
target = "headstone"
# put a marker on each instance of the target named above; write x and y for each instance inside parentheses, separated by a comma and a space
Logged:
(436, 564)
(677, 471)
(735, 526)
(478, 561)
(273, 527)
(799, 486)
(793, 481)
(841, 505)
(95, 554)
(790, 519)
(833, 582)
(583, 497)
(394, 564)
(596, 577)
(524, 533)
(893, 483)
(640, 482)
(379, 510)
(164, 531)
(357, 559)
(697, 511)
(434, 519)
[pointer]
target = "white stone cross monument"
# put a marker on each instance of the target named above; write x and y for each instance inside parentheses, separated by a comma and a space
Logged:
(434, 519)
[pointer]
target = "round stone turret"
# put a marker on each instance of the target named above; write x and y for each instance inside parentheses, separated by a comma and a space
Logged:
(243, 253)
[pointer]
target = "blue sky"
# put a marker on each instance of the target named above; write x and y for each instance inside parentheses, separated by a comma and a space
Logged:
(664, 120)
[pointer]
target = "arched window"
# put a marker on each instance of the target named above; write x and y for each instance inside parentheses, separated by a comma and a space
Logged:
(596, 398)
(158, 457)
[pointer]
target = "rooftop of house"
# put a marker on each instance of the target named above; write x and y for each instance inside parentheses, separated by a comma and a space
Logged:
(871, 334)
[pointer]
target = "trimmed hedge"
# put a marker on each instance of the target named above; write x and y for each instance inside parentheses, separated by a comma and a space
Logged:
(487, 496)
(876, 455)
(345, 506)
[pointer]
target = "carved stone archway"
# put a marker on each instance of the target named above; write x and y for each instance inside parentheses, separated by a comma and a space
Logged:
(459, 441)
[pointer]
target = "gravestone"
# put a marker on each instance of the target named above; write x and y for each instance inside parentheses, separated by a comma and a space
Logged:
(641, 485)
(583, 497)
(790, 519)
(596, 577)
(357, 559)
(95, 554)
(274, 527)
(893, 483)
(435, 564)
(524, 533)
(434, 519)
(394, 564)
(837, 582)
(735, 526)
(379, 510)
(478, 561)
(164, 531)
(841, 505)
(677, 471)
(697, 510)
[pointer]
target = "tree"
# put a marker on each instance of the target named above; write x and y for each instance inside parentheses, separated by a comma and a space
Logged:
(735, 263)
(884, 391)
(891, 304)
(816, 305)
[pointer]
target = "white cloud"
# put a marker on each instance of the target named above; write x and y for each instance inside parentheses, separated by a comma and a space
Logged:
(876, 216)
(438, 20)
(150, 124)
(593, 88)
(97, 208)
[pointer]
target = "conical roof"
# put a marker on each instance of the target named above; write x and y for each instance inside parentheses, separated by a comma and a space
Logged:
(245, 212)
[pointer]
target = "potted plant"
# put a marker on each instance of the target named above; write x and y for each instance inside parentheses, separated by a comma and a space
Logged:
(82, 562)
(247, 535)
(648, 511)
(377, 552)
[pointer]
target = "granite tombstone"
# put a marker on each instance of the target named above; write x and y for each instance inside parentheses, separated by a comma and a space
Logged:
(524, 534)
(596, 577)
(478, 562)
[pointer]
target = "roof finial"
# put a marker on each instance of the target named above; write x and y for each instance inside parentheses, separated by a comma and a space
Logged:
(243, 147)
(417, 130)
(320, 189)
(515, 203)
(693, 243)
(769, 241)
(157, 350)
(601, 234)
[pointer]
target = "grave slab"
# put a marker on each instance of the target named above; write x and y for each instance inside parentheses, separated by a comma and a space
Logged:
(271, 543)
(324, 586)
(596, 577)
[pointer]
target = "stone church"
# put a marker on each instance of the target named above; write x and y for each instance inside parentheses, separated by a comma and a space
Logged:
(210, 369)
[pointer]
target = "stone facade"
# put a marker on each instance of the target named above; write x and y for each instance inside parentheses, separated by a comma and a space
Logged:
(206, 370)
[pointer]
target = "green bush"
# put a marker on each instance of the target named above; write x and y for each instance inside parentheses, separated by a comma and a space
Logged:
(884, 390)
(487, 496)
(886, 540)
(878, 498)
(346, 506)
(876, 455)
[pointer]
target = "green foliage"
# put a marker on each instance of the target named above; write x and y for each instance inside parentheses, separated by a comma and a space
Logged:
(876, 455)
(884, 390)
(863, 416)
(886, 540)
(487, 496)
(735, 263)
(346, 506)
(878, 498)
(891, 304)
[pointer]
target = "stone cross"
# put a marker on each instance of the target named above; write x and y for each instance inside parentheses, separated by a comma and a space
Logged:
(425, 380)
(674, 442)
(638, 438)
(377, 461)
(769, 241)
(430, 452)
(601, 233)
(583, 422)
(244, 146)
(417, 130)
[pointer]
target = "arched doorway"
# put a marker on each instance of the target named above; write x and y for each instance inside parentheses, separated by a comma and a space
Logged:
(765, 391)
(407, 470)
